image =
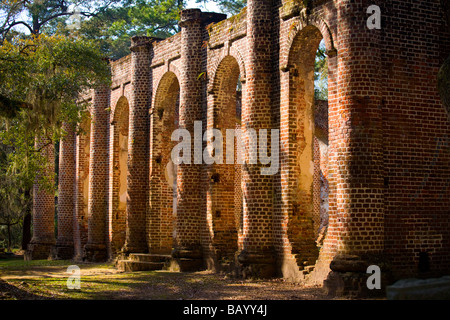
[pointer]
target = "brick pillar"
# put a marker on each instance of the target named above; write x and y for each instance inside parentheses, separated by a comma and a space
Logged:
(189, 198)
(43, 211)
(256, 255)
(137, 180)
(95, 248)
(80, 220)
(64, 248)
(357, 217)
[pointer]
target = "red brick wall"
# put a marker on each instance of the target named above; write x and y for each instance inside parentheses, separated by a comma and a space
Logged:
(95, 248)
(121, 89)
(189, 197)
(43, 208)
(82, 186)
(164, 120)
(387, 153)
(224, 183)
(138, 149)
(118, 177)
(415, 134)
(66, 194)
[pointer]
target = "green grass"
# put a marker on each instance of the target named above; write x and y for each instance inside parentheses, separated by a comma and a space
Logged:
(100, 287)
(20, 264)
(35, 278)
(92, 287)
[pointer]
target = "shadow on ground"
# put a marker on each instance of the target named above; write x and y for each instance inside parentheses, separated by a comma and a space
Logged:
(48, 280)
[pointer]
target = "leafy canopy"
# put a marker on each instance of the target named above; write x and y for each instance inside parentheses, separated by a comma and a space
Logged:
(46, 74)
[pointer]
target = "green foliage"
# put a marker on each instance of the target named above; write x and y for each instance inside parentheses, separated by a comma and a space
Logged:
(321, 74)
(44, 75)
(14, 201)
(115, 26)
(48, 73)
(35, 15)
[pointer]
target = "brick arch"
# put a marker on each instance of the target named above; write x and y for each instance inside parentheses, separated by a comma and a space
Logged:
(303, 165)
(297, 27)
(121, 104)
(225, 54)
(82, 183)
(224, 195)
(164, 120)
(165, 78)
(119, 172)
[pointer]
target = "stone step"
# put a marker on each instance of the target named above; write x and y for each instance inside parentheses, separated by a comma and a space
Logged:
(185, 265)
(309, 269)
(144, 257)
(130, 266)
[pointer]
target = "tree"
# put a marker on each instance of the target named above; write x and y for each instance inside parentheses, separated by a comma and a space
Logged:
(321, 73)
(33, 15)
(114, 27)
(14, 206)
(43, 76)
(15, 203)
(41, 79)
(46, 64)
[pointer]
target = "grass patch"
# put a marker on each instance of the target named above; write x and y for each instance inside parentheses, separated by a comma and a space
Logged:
(99, 287)
(18, 263)
(15, 263)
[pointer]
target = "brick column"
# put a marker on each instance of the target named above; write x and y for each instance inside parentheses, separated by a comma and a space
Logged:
(80, 220)
(256, 255)
(64, 248)
(189, 198)
(137, 183)
(95, 249)
(43, 211)
(357, 216)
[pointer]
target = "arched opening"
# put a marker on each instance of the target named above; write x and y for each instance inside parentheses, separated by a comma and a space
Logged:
(320, 145)
(308, 168)
(117, 221)
(224, 196)
(83, 154)
(163, 172)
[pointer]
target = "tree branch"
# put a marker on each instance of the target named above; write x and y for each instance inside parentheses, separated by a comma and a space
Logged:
(5, 31)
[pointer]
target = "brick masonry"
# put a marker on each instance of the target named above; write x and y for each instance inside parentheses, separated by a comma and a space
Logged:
(43, 239)
(363, 179)
(64, 248)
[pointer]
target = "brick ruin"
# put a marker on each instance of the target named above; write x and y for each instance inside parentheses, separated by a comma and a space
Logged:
(363, 179)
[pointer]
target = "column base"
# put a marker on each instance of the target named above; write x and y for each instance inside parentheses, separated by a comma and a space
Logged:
(95, 253)
(38, 251)
(62, 252)
(127, 249)
(348, 277)
(187, 259)
(259, 265)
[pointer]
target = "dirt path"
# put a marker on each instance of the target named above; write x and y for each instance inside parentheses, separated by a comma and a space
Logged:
(105, 282)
